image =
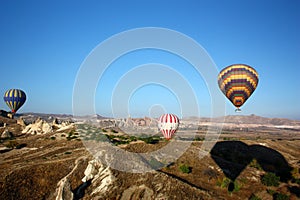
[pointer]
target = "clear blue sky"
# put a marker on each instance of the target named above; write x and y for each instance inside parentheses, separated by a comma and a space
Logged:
(43, 44)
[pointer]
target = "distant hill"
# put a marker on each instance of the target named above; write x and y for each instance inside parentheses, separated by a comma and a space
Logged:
(241, 119)
(253, 119)
(31, 116)
(249, 119)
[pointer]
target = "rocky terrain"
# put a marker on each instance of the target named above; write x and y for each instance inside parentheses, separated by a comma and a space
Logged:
(46, 157)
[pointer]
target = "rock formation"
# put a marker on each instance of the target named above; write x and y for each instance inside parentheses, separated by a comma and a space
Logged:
(38, 127)
(6, 134)
(21, 122)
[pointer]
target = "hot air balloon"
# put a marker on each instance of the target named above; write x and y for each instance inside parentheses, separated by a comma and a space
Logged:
(14, 98)
(238, 82)
(168, 125)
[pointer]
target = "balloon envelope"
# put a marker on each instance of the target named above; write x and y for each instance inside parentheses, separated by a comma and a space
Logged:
(238, 82)
(168, 125)
(14, 98)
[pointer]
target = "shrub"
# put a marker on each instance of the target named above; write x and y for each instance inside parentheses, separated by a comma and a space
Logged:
(185, 168)
(20, 146)
(237, 187)
(271, 192)
(254, 197)
(114, 131)
(295, 175)
(119, 142)
(71, 136)
(132, 138)
(229, 184)
(255, 164)
(72, 132)
(150, 140)
(270, 179)
(280, 196)
(199, 138)
(223, 183)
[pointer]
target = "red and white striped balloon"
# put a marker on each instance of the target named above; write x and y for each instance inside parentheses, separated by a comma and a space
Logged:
(168, 125)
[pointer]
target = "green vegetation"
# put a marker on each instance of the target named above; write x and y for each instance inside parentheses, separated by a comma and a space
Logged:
(71, 135)
(230, 139)
(255, 164)
(117, 140)
(295, 175)
(270, 179)
(150, 140)
(271, 192)
(223, 183)
(226, 182)
(185, 168)
(132, 138)
(199, 138)
(114, 131)
(254, 197)
(280, 196)
(104, 135)
(295, 172)
(243, 180)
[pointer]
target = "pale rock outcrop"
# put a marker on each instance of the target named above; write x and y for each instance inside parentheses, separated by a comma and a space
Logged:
(64, 127)
(63, 190)
(96, 174)
(21, 122)
(55, 122)
(38, 127)
(101, 177)
(43, 127)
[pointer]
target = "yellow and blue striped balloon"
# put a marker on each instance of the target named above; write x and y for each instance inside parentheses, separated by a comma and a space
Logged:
(14, 98)
(238, 82)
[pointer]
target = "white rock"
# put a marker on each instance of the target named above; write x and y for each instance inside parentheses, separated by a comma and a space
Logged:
(90, 171)
(38, 127)
(65, 127)
(100, 175)
(21, 122)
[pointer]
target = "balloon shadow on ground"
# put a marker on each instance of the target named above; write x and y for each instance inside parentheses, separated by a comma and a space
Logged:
(272, 161)
(234, 156)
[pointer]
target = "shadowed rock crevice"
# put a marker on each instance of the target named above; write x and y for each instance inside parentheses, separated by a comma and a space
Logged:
(79, 192)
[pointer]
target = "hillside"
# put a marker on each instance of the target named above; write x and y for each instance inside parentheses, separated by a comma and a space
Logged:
(48, 159)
